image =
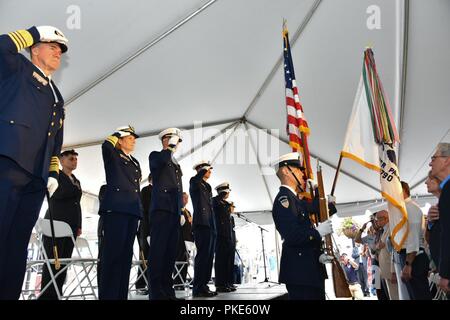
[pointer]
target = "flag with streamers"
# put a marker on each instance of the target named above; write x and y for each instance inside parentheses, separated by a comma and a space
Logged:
(370, 141)
(297, 127)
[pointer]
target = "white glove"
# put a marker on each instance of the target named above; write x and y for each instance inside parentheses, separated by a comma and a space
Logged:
(436, 278)
(331, 198)
(310, 183)
(51, 34)
(182, 220)
(325, 228)
(325, 258)
(52, 185)
(173, 141)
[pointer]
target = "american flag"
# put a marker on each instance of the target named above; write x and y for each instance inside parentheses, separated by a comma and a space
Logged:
(296, 127)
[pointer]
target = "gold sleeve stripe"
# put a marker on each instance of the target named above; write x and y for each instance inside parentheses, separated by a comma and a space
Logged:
(113, 140)
(54, 164)
(12, 36)
(22, 39)
(27, 37)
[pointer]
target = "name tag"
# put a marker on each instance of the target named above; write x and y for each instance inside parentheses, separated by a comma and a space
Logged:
(39, 78)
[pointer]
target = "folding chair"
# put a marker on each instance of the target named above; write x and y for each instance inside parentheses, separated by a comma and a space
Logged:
(32, 272)
(180, 265)
(141, 270)
(63, 230)
(84, 251)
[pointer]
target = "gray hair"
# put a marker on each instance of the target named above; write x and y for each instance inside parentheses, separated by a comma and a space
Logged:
(444, 149)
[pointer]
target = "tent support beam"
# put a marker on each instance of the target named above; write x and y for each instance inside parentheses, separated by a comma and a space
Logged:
(233, 126)
(317, 157)
(404, 67)
(139, 52)
(270, 76)
(156, 132)
(236, 125)
(259, 163)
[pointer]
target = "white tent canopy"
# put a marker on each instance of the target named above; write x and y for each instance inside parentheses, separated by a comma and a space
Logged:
(158, 64)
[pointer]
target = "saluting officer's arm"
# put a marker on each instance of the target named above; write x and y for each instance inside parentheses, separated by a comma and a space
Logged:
(11, 44)
(109, 145)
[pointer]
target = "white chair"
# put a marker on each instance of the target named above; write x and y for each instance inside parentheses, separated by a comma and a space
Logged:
(63, 230)
(32, 273)
(180, 265)
(141, 270)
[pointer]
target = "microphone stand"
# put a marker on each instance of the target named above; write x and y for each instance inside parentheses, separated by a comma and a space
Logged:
(266, 279)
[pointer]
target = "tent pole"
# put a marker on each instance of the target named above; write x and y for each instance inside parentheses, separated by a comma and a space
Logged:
(138, 52)
(259, 163)
(233, 125)
(213, 160)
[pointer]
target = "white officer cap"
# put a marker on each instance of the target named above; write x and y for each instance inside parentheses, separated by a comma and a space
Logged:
(171, 132)
(202, 163)
(292, 159)
(127, 130)
(223, 188)
(53, 34)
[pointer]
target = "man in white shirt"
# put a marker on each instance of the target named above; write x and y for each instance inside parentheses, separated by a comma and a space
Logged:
(414, 260)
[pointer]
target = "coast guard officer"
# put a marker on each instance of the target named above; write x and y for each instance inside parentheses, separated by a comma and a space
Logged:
(65, 206)
(302, 261)
(31, 124)
(224, 245)
(165, 215)
(121, 209)
(204, 229)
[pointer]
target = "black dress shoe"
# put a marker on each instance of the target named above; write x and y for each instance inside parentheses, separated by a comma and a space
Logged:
(173, 298)
(232, 288)
(223, 289)
(142, 292)
(213, 292)
(205, 294)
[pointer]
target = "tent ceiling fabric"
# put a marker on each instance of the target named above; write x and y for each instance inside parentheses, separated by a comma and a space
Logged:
(212, 67)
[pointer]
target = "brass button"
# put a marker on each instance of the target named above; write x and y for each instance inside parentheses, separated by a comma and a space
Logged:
(54, 113)
(135, 190)
(49, 134)
(53, 124)
(299, 253)
(54, 104)
(12, 122)
(118, 189)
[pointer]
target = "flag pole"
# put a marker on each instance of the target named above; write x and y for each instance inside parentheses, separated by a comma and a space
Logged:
(338, 169)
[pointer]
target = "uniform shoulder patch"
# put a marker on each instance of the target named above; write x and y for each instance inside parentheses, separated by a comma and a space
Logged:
(284, 201)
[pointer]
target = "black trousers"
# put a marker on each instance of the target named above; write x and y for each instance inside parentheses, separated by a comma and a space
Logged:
(116, 255)
(417, 286)
(222, 267)
(230, 262)
(298, 292)
(21, 197)
(163, 252)
(65, 249)
(205, 242)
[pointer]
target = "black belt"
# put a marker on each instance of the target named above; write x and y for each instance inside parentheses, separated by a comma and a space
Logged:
(403, 251)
